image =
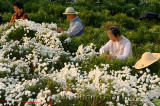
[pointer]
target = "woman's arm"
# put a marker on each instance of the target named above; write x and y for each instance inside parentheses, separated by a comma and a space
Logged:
(105, 47)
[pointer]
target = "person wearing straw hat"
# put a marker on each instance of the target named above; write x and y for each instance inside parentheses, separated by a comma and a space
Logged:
(76, 27)
(147, 59)
(118, 46)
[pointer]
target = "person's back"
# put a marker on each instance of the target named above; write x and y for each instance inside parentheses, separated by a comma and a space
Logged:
(78, 21)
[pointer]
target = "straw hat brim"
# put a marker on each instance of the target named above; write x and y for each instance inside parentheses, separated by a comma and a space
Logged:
(156, 55)
(141, 64)
(70, 13)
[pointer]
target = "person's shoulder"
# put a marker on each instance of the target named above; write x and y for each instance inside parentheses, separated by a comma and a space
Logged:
(79, 23)
(127, 41)
(109, 42)
(126, 38)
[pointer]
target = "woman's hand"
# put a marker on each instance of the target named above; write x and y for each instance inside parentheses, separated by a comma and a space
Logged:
(104, 54)
(60, 30)
(109, 57)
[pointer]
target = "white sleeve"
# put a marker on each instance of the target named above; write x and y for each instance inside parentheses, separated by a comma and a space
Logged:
(126, 52)
(104, 48)
(75, 29)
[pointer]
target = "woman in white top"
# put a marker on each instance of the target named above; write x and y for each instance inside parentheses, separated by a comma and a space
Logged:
(118, 46)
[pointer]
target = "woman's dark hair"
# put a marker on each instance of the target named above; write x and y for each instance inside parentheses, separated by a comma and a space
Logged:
(18, 4)
(115, 31)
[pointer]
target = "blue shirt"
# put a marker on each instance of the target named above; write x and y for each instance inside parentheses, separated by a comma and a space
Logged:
(76, 27)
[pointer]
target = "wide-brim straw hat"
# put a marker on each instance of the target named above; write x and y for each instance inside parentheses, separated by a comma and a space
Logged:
(70, 10)
(147, 59)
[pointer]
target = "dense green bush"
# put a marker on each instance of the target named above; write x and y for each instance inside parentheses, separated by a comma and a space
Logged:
(5, 6)
(63, 2)
(71, 46)
(32, 7)
(136, 2)
(23, 1)
(115, 64)
(125, 21)
(57, 12)
(143, 35)
(113, 7)
(6, 17)
(131, 10)
(155, 29)
(19, 33)
(41, 16)
(118, 64)
(95, 19)
(138, 50)
(156, 101)
(153, 6)
(94, 35)
(149, 23)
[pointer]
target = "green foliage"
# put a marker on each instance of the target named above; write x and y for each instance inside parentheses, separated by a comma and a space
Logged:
(93, 35)
(23, 1)
(138, 50)
(36, 88)
(125, 21)
(131, 10)
(156, 101)
(149, 23)
(71, 46)
(19, 33)
(60, 63)
(41, 16)
(92, 2)
(57, 12)
(153, 5)
(14, 53)
(143, 35)
(6, 17)
(5, 6)
(63, 2)
(42, 84)
(128, 7)
(3, 74)
(91, 18)
(32, 7)
(136, 2)
(115, 64)
(113, 6)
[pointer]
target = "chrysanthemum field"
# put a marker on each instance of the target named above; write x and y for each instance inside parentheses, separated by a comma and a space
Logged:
(39, 66)
(35, 68)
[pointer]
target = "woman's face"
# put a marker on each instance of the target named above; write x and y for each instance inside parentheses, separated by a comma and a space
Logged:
(16, 9)
(111, 36)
